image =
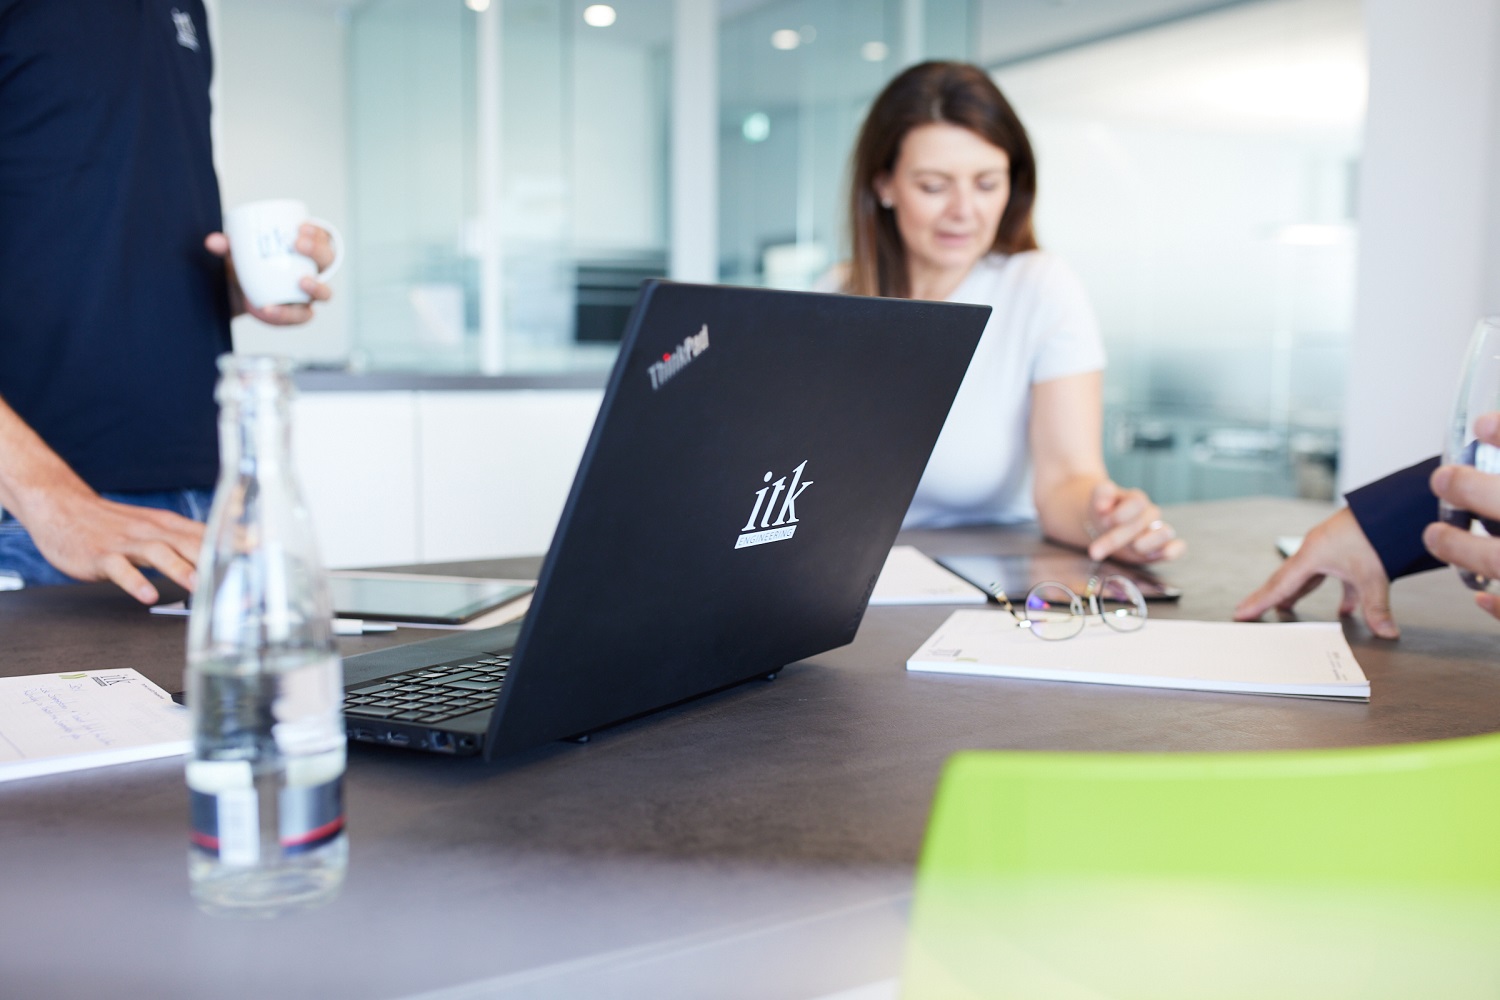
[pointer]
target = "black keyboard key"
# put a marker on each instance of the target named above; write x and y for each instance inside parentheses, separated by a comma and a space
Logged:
(477, 685)
(460, 676)
(375, 711)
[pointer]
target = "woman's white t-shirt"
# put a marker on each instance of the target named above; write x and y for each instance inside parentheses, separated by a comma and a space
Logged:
(1042, 328)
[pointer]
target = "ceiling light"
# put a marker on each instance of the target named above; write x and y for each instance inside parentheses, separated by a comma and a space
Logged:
(1314, 234)
(477, 6)
(598, 15)
(874, 51)
(756, 127)
(786, 39)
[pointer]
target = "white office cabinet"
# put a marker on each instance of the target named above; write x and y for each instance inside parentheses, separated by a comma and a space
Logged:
(495, 468)
(357, 459)
(396, 477)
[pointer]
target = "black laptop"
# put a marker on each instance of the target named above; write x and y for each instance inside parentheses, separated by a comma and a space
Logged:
(746, 475)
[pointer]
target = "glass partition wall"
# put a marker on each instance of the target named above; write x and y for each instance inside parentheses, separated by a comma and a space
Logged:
(512, 182)
(511, 161)
(796, 79)
(1201, 176)
(508, 177)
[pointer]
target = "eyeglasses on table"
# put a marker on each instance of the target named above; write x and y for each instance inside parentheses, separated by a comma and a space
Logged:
(1054, 611)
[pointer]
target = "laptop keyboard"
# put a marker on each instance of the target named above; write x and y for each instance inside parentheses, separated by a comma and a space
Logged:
(432, 694)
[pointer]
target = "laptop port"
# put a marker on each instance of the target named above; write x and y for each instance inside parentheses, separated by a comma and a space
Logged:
(441, 743)
(397, 739)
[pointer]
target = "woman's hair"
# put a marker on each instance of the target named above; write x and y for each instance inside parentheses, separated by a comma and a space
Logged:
(955, 93)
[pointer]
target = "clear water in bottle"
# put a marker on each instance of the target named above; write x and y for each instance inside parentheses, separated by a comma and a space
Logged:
(266, 783)
(264, 680)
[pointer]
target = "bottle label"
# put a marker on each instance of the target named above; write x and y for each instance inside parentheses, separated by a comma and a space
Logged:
(226, 823)
(311, 815)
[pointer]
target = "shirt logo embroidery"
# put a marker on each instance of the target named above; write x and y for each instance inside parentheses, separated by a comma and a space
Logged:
(187, 34)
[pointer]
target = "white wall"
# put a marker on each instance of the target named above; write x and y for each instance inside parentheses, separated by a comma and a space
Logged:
(1429, 224)
(281, 133)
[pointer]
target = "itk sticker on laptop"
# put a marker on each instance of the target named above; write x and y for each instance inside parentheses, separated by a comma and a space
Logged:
(785, 524)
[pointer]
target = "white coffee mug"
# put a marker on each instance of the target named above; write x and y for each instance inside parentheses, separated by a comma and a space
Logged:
(263, 238)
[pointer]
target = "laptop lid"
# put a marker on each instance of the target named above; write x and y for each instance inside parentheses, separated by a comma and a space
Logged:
(749, 468)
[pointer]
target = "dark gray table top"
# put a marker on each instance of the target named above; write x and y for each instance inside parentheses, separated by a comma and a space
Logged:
(758, 842)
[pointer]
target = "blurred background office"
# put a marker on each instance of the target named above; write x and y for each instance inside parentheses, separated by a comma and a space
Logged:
(1282, 209)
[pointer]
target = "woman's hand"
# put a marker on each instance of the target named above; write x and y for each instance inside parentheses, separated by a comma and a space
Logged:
(1127, 527)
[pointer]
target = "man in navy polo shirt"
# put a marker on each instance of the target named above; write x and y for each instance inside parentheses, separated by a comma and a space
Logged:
(116, 290)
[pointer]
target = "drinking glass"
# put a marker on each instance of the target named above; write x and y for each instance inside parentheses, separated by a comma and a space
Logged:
(1478, 393)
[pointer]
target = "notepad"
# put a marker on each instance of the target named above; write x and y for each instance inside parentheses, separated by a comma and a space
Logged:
(1294, 659)
(66, 722)
(909, 577)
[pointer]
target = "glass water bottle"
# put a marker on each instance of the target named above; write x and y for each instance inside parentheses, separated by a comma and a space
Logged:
(264, 678)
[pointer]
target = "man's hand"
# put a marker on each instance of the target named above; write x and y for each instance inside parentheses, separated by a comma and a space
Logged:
(91, 538)
(312, 241)
(1336, 548)
(1478, 492)
(81, 533)
(1128, 527)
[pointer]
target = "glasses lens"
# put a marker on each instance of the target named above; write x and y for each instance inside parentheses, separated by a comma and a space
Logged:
(1055, 612)
(1121, 604)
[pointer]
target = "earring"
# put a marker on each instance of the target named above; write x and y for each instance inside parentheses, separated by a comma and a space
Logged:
(886, 203)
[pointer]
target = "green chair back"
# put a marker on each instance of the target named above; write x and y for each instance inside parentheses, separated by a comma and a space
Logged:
(1371, 872)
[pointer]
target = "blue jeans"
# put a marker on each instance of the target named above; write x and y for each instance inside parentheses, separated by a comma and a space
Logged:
(20, 560)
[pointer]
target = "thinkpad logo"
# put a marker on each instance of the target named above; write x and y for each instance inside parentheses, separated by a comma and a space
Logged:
(674, 362)
(785, 523)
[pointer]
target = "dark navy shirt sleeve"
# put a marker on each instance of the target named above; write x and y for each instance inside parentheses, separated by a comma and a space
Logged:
(1392, 513)
(111, 310)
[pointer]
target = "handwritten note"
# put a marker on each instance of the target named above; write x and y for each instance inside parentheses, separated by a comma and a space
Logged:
(65, 722)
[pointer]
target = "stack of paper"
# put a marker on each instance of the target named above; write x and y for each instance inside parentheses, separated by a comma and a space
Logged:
(1298, 659)
(909, 577)
(66, 722)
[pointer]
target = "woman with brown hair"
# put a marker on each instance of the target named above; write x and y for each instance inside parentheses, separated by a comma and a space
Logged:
(940, 208)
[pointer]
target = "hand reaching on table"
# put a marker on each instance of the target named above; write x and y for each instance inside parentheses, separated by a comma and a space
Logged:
(90, 538)
(81, 533)
(1338, 548)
